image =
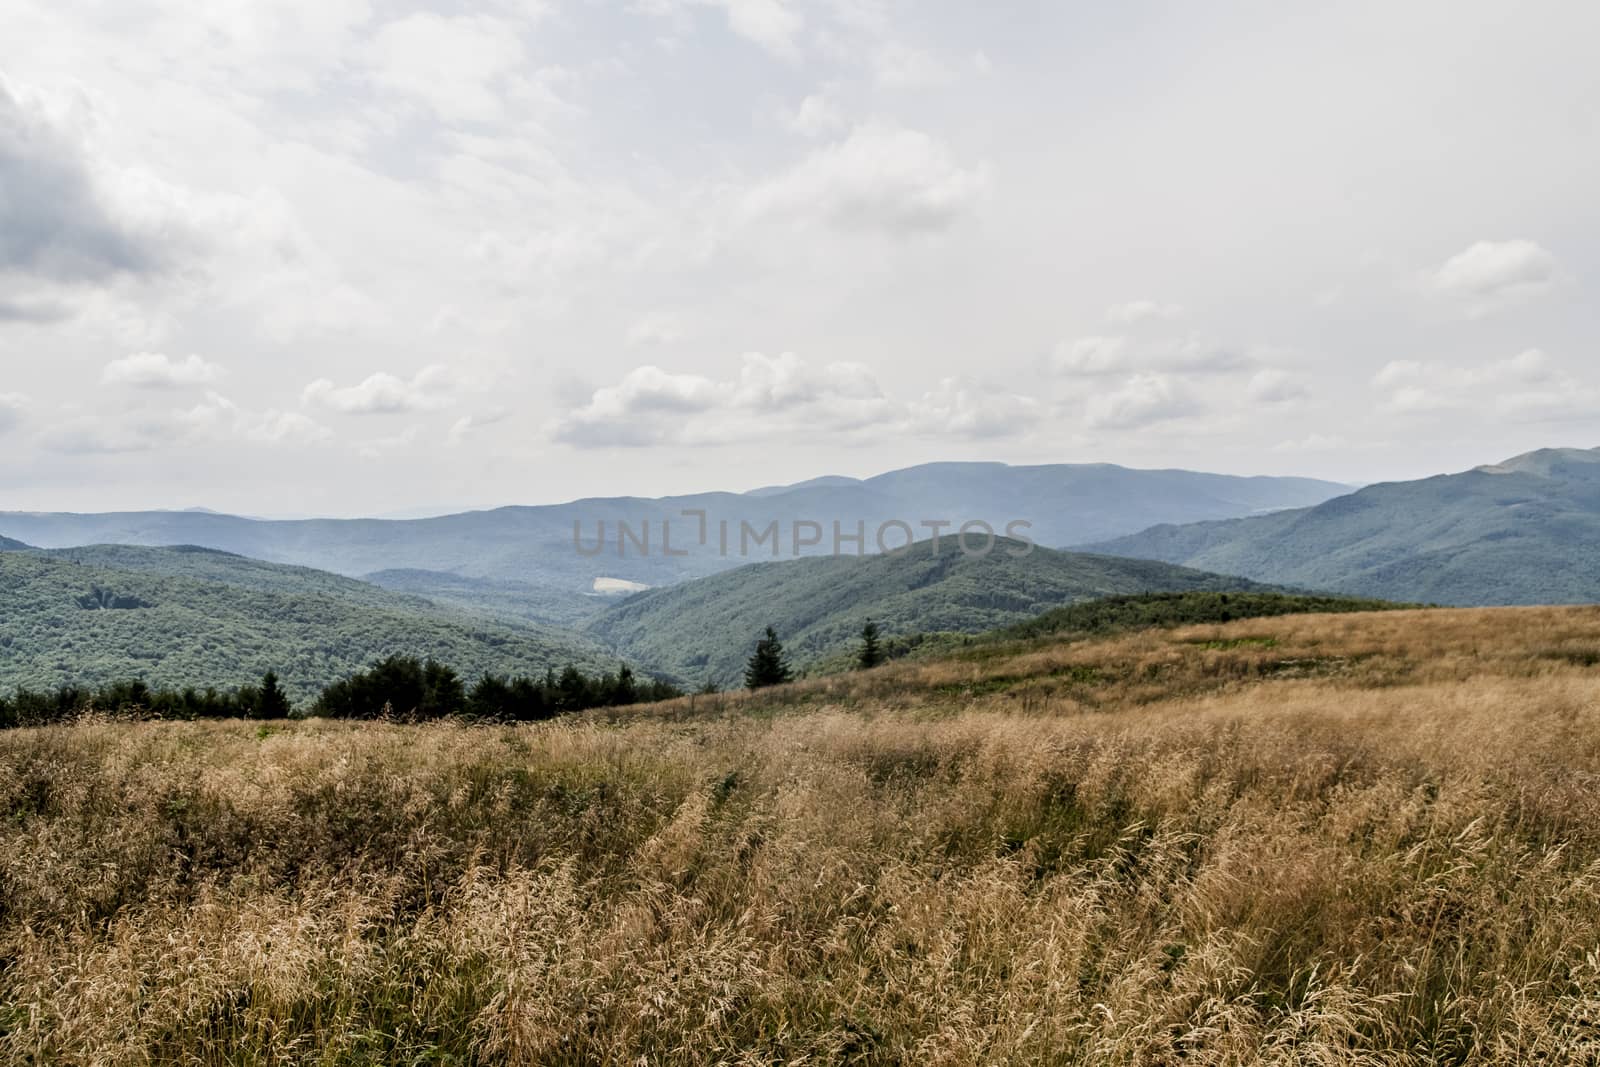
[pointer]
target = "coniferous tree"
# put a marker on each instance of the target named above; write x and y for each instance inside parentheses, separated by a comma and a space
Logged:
(768, 666)
(271, 701)
(871, 653)
(623, 689)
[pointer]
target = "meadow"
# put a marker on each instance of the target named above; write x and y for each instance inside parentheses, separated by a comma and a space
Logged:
(1319, 839)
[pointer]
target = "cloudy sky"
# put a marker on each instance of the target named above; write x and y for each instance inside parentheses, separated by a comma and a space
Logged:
(370, 256)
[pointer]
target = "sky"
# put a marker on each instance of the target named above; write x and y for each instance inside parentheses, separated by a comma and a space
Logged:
(341, 257)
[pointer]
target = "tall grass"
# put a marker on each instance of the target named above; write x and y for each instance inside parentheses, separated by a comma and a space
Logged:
(1332, 840)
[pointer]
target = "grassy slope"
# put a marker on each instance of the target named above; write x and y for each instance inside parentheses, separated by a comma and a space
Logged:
(221, 620)
(706, 628)
(1523, 532)
(1364, 839)
(1109, 615)
(1144, 610)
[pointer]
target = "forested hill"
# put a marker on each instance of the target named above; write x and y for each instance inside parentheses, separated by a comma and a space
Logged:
(176, 617)
(8, 545)
(1526, 531)
(703, 630)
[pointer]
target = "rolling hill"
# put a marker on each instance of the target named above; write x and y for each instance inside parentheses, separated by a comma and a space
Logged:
(1526, 531)
(184, 616)
(703, 630)
(534, 546)
(8, 545)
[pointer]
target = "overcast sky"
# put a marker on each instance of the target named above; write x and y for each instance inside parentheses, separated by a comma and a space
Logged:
(361, 256)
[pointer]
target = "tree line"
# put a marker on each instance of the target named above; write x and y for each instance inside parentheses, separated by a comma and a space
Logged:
(406, 688)
(403, 688)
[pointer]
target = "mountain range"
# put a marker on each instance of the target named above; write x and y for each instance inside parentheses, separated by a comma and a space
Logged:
(534, 546)
(227, 598)
(1525, 531)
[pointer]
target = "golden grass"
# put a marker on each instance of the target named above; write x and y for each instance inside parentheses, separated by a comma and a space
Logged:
(1330, 840)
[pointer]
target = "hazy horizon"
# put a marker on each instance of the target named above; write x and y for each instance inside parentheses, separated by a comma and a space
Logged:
(425, 511)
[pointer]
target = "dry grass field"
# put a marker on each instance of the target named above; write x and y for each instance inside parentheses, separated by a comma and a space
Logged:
(1363, 839)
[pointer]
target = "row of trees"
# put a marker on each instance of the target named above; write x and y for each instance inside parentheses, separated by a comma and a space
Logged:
(400, 687)
(406, 688)
(414, 690)
(264, 701)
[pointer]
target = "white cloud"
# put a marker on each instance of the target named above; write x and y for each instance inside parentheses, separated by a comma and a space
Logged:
(1494, 274)
(384, 394)
(1090, 355)
(467, 425)
(778, 397)
(882, 178)
(1144, 399)
(772, 24)
(219, 419)
(900, 66)
(816, 115)
(1526, 385)
(658, 328)
(961, 407)
(452, 65)
(1136, 311)
(1273, 386)
(155, 370)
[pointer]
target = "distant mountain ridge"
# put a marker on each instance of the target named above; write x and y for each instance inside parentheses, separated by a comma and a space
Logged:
(1523, 531)
(1066, 504)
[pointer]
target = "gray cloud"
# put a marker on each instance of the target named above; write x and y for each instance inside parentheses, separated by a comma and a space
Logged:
(54, 222)
(32, 311)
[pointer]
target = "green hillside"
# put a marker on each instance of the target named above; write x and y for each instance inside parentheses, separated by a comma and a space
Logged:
(1526, 531)
(704, 630)
(177, 617)
(213, 565)
(8, 545)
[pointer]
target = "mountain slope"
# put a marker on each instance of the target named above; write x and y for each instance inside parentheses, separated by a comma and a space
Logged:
(1066, 504)
(703, 630)
(1525, 531)
(8, 545)
(178, 617)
